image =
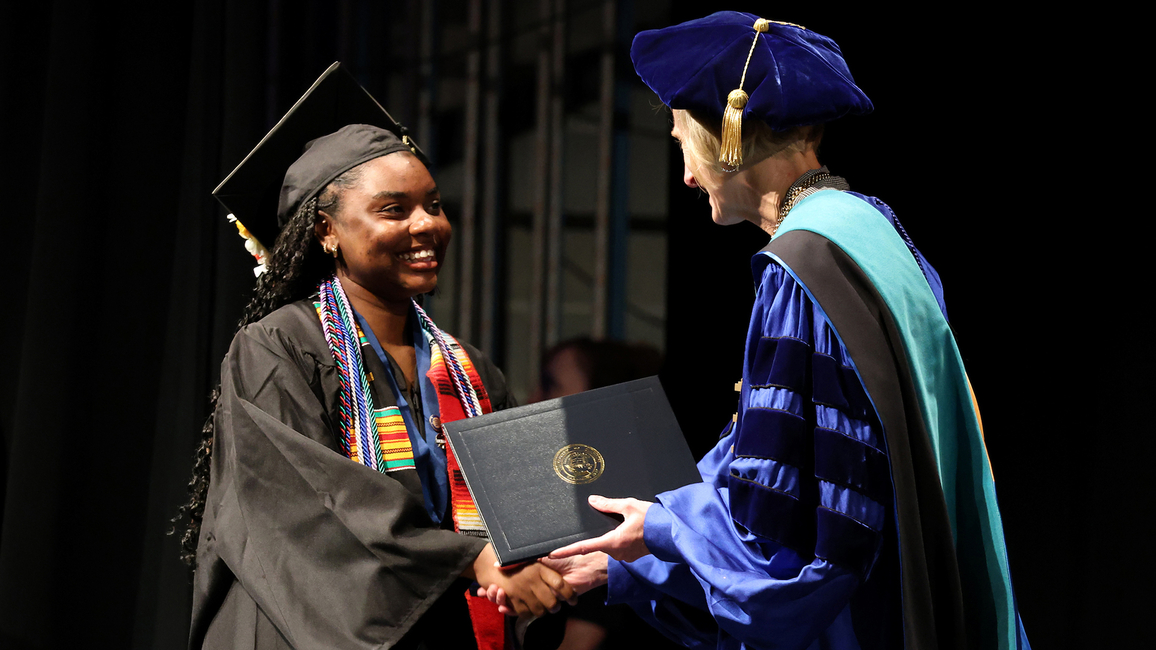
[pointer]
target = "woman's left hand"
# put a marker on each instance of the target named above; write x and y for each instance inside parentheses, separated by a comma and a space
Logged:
(624, 543)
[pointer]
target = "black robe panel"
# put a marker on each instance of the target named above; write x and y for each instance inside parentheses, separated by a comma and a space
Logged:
(928, 572)
(301, 547)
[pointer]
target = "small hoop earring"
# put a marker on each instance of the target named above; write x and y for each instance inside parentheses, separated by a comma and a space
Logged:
(330, 251)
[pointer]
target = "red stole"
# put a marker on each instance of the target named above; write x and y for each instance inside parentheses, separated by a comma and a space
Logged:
(489, 625)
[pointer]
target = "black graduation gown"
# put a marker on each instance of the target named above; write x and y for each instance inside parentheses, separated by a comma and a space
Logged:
(301, 547)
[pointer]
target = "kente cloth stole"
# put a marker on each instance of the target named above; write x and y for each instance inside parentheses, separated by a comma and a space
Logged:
(462, 395)
(375, 440)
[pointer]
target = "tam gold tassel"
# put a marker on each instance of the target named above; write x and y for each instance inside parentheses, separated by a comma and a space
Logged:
(732, 129)
(731, 153)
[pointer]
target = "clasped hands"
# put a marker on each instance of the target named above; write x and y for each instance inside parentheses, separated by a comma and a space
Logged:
(537, 587)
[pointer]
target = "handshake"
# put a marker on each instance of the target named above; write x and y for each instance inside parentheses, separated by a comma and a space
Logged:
(539, 587)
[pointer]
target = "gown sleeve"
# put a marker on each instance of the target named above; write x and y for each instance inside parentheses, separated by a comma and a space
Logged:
(768, 550)
(333, 553)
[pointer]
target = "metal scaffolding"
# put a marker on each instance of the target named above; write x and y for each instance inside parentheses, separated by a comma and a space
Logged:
(496, 107)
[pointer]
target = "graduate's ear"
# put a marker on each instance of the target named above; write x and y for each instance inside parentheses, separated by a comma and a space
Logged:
(326, 232)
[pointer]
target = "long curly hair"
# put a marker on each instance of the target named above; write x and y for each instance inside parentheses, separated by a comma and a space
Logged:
(295, 267)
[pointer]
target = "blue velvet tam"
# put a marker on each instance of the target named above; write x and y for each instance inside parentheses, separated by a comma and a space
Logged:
(795, 77)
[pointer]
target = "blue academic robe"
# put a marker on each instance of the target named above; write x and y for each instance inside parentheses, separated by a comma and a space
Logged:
(850, 505)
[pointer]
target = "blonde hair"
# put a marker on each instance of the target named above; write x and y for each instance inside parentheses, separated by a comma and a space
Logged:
(702, 140)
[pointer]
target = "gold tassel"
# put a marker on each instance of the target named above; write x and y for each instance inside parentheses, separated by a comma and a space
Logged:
(732, 127)
(732, 130)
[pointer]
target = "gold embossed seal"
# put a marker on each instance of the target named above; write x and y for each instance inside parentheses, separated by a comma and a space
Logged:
(578, 464)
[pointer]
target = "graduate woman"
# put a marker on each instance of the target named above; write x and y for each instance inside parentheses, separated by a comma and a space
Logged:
(851, 504)
(325, 512)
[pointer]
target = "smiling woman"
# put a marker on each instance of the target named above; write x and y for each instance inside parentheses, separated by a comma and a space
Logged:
(388, 227)
(850, 502)
(324, 510)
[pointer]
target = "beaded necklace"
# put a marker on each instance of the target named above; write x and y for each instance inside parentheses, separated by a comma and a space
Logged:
(793, 194)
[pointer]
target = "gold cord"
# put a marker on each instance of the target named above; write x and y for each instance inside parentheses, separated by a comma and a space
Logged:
(761, 26)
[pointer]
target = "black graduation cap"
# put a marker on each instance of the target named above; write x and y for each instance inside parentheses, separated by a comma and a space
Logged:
(335, 126)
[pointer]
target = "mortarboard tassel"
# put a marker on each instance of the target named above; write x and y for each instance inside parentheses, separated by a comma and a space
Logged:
(732, 127)
(252, 245)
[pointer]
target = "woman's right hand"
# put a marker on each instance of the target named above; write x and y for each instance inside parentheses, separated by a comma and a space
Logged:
(531, 588)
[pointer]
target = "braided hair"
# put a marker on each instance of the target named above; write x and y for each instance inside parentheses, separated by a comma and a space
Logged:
(295, 267)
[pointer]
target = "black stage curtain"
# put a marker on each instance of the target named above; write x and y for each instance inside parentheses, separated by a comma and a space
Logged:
(124, 283)
(124, 286)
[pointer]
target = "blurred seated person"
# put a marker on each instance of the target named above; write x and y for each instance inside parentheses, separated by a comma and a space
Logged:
(580, 364)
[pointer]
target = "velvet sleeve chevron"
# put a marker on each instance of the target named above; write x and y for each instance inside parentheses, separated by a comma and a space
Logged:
(789, 520)
(809, 471)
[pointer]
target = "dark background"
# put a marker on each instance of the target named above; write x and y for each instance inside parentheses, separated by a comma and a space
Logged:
(123, 284)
